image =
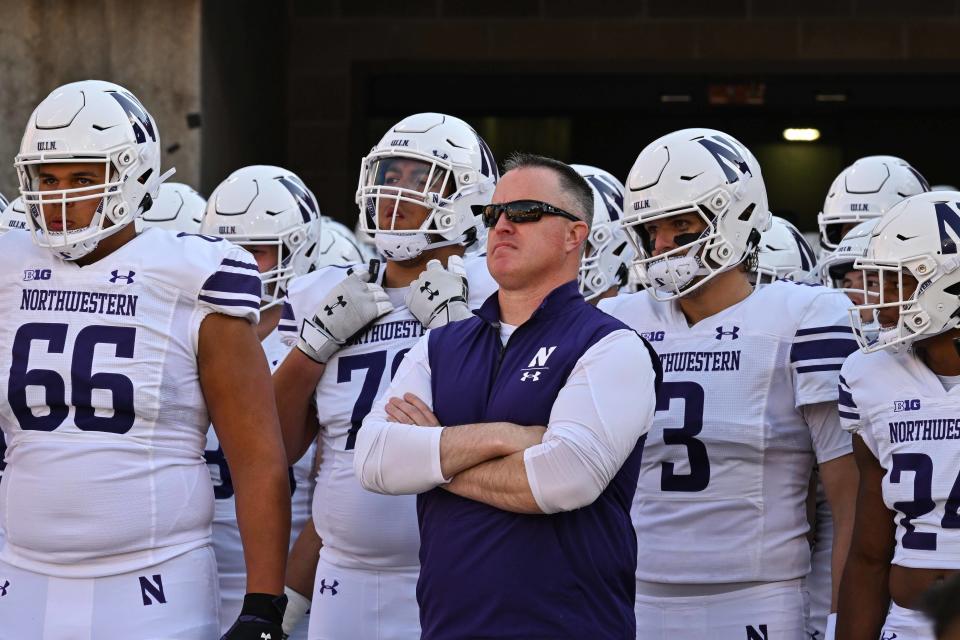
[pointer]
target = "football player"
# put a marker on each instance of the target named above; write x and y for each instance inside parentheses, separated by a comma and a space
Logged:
(179, 208)
(856, 200)
(354, 326)
(897, 396)
(783, 254)
(271, 213)
(605, 265)
(121, 349)
(746, 406)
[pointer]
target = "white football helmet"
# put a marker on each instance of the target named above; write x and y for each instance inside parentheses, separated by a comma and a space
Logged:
(865, 190)
(709, 174)
(177, 208)
(335, 247)
(783, 255)
(90, 122)
(608, 255)
(13, 216)
(267, 206)
(917, 237)
(434, 161)
(834, 266)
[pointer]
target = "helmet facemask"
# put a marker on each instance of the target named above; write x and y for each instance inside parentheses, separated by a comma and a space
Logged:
(294, 249)
(698, 258)
(907, 287)
(594, 276)
(113, 212)
(392, 177)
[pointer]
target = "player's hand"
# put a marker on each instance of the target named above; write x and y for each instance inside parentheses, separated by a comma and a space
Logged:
(349, 307)
(260, 618)
(410, 410)
(439, 295)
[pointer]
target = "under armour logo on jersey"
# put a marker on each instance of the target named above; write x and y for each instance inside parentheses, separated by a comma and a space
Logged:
(531, 375)
(3, 588)
(884, 635)
(333, 587)
(115, 275)
(266, 636)
(431, 294)
(734, 335)
(339, 303)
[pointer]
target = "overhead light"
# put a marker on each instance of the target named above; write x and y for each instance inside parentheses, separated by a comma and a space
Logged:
(830, 97)
(801, 135)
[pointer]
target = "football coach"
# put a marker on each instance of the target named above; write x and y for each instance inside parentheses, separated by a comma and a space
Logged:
(522, 430)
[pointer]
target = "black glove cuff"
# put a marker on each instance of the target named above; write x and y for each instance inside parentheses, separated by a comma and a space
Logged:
(265, 606)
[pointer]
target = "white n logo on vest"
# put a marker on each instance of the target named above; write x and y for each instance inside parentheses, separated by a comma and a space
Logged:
(540, 360)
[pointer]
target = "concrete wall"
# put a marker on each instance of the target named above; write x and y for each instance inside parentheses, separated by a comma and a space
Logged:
(152, 48)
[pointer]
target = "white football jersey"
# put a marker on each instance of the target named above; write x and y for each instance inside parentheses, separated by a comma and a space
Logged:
(723, 484)
(103, 412)
(360, 529)
(911, 424)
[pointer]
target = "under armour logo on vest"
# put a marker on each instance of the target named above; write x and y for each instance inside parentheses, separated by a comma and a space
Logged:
(734, 335)
(431, 294)
(531, 375)
(339, 303)
(3, 588)
(333, 587)
(266, 636)
(116, 275)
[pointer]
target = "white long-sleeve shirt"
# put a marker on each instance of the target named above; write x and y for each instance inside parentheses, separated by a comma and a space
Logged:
(594, 425)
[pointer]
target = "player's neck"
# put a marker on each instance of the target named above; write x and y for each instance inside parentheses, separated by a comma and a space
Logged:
(400, 274)
(269, 319)
(609, 293)
(722, 292)
(941, 353)
(108, 245)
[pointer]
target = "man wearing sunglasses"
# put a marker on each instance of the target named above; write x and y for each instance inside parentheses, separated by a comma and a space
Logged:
(510, 426)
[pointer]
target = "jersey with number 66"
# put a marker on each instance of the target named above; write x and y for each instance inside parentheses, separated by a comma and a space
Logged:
(360, 529)
(103, 413)
(723, 484)
(911, 424)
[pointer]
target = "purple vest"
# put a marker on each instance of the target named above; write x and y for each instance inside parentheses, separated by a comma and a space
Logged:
(487, 573)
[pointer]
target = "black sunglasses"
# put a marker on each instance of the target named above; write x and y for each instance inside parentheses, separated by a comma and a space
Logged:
(519, 211)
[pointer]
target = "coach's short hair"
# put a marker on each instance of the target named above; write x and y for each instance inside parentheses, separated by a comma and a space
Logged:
(571, 183)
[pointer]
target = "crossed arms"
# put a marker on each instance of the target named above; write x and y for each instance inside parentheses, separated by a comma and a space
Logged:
(561, 466)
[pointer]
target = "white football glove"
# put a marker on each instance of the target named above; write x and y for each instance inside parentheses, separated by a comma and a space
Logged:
(439, 295)
(349, 307)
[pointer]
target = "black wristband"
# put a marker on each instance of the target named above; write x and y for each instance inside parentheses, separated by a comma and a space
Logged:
(265, 606)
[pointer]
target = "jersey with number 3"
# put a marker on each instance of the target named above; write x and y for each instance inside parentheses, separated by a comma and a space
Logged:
(723, 484)
(360, 529)
(911, 424)
(103, 412)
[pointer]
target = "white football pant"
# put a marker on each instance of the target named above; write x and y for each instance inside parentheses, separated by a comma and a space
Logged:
(174, 600)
